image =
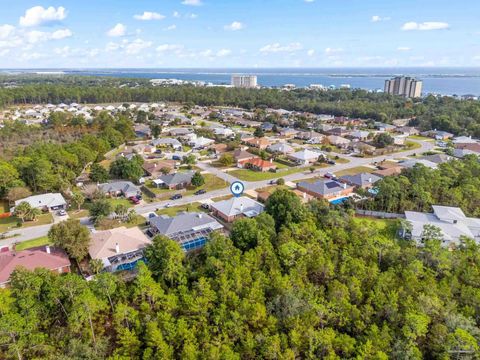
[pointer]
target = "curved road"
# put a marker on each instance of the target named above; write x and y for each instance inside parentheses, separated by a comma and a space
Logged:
(42, 230)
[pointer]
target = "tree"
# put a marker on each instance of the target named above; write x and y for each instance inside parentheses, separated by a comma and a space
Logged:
(165, 170)
(123, 168)
(77, 199)
(71, 236)
(227, 159)
(258, 132)
(33, 213)
(121, 210)
(280, 181)
(22, 210)
(189, 159)
(98, 173)
(244, 234)
(165, 260)
(9, 177)
(198, 179)
(156, 130)
(100, 208)
(285, 208)
(382, 140)
(17, 193)
(96, 265)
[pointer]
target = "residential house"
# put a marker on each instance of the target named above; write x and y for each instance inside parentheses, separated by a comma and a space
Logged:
(119, 248)
(218, 148)
(407, 130)
(306, 156)
(236, 207)
(400, 140)
(384, 127)
(201, 142)
(260, 143)
(142, 130)
(178, 132)
(474, 147)
(311, 137)
(338, 131)
(437, 135)
(119, 188)
(223, 131)
(257, 164)
(451, 221)
(242, 155)
(267, 126)
(462, 152)
(280, 148)
(53, 259)
(363, 148)
(178, 180)
(288, 132)
(413, 162)
(168, 142)
(48, 202)
(362, 180)
(338, 141)
(396, 170)
(438, 158)
(190, 230)
(325, 189)
(464, 140)
(361, 135)
(155, 168)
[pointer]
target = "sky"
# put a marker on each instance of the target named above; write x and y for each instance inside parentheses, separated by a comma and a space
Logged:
(239, 33)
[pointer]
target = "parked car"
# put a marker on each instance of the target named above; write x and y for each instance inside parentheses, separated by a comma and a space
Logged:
(149, 233)
(134, 200)
(176, 157)
(272, 182)
(329, 175)
(331, 162)
(205, 206)
(61, 213)
(200, 192)
(176, 197)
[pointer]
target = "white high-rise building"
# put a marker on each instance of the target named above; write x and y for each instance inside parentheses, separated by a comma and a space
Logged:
(404, 86)
(244, 81)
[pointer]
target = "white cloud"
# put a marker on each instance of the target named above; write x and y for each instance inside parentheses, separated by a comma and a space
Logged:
(191, 16)
(234, 26)
(169, 48)
(333, 51)
(223, 52)
(377, 18)
(117, 31)
(148, 15)
(4, 52)
(311, 52)
(38, 15)
(61, 34)
(276, 47)
(425, 26)
(309, 1)
(403, 48)
(6, 30)
(192, 2)
(176, 14)
(171, 27)
(137, 46)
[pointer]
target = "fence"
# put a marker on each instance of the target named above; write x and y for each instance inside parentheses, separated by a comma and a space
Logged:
(379, 214)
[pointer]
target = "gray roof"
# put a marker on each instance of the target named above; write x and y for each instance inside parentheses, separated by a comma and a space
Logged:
(126, 187)
(411, 163)
(323, 186)
(177, 178)
(238, 205)
(361, 179)
(306, 155)
(44, 200)
(438, 158)
(184, 223)
(281, 147)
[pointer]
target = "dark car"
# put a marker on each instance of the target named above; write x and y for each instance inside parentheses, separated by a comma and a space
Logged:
(205, 206)
(134, 200)
(200, 192)
(331, 162)
(176, 197)
(149, 233)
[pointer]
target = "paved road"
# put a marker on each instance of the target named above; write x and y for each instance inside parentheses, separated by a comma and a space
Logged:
(39, 231)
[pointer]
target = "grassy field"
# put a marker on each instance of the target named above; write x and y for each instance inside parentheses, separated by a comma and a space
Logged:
(11, 222)
(418, 137)
(220, 198)
(172, 211)
(387, 226)
(412, 145)
(41, 241)
(249, 175)
(355, 170)
(119, 201)
(74, 214)
(212, 183)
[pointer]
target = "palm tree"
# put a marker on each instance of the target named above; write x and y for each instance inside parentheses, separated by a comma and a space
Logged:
(33, 214)
(22, 210)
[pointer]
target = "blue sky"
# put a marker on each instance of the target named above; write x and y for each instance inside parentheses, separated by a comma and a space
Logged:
(234, 33)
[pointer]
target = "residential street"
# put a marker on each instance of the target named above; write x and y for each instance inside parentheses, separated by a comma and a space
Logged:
(39, 231)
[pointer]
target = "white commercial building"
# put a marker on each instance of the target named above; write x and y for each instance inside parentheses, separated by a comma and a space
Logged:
(244, 81)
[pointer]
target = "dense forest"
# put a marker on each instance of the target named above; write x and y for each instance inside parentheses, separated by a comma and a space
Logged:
(295, 283)
(454, 183)
(442, 113)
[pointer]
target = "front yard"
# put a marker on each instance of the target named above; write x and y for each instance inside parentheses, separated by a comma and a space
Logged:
(11, 222)
(212, 183)
(250, 175)
(41, 241)
(355, 170)
(172, 211)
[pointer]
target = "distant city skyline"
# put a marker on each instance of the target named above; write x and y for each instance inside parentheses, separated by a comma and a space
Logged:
(249, 34)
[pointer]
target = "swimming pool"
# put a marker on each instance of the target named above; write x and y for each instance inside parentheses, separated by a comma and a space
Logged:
(339, 200)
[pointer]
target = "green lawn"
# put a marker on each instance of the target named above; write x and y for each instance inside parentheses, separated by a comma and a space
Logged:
(355, 170)
(172, 211)
(119, 201)
(41, 241)
(74, 214)
(412, 145)
(387, 226)
(10, 223)
(212, 183)
(418, 137)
